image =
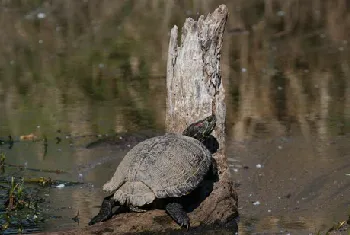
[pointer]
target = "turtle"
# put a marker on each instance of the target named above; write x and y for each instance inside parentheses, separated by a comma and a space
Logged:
(164, 168)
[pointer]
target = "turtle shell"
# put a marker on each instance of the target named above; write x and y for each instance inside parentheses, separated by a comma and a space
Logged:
(164, 166)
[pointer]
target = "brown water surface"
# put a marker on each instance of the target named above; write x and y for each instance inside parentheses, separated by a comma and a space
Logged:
(291, 184)
(285, 184)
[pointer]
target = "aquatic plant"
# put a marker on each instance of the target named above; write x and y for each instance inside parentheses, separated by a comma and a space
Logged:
(21, 208)
(2, 163)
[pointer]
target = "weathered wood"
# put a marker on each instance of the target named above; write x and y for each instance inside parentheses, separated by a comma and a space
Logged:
(194, 91)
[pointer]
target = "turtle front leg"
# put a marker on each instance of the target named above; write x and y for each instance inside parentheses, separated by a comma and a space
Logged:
(106, 211)
(178, 214)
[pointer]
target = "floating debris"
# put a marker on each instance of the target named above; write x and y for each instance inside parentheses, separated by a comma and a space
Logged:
(58, 140)
(41, 15)
(9, 141)
(256, 203)
(76, 218)
(2, 162)
(340, 226)
(258, 166)
(47, 181)
(22, 167)
(30, 136)
(232, 160)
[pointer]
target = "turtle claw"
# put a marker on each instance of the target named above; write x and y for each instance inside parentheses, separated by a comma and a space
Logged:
(179, 215)
(97, 218)
(186, 225)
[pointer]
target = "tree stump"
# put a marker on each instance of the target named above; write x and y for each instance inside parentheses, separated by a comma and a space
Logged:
(194, 91)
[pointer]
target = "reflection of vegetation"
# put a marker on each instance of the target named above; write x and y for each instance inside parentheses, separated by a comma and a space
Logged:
(305, 44)
(4, 165)
(289, 60)
(76, 52)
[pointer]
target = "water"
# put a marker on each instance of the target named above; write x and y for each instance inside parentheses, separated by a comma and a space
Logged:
(77, 72)
(300, 185)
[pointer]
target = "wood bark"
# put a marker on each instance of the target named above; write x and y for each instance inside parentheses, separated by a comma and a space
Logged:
(194, 91)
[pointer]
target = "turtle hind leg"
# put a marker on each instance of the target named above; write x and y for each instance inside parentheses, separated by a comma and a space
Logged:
(107, 210)
(178, 214)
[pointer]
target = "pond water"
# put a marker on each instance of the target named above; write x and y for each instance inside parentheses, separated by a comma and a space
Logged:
(285, 185)
(72, 73)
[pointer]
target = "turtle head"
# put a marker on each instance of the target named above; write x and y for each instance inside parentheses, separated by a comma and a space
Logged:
(201, 129)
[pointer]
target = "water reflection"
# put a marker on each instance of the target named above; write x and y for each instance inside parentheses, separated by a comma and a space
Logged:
(94, 67)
